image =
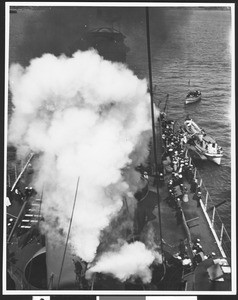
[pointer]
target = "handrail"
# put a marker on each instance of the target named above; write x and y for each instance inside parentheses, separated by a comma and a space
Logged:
(215, 221)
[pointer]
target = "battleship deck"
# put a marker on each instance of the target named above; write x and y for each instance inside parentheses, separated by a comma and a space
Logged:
(194, 225)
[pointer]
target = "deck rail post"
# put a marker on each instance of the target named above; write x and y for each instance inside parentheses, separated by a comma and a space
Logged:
(222, 230)
(206, 200)
(195, 173)
(200, 183)
(213, 216)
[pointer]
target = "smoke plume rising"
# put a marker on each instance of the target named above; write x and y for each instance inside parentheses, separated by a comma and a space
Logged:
(131, 261)
(89, 119)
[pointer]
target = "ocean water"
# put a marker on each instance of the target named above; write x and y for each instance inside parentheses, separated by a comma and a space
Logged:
(185, 44)
(198, 49)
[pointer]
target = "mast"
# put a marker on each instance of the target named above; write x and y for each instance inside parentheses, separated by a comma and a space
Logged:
(153, 127)
(67, 239)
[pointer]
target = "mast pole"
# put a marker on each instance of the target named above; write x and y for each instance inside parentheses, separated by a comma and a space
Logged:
(153, 127)
(67, 239)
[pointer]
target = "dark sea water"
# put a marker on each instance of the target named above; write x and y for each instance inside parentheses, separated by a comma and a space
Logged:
(186, 45)
(198, 49)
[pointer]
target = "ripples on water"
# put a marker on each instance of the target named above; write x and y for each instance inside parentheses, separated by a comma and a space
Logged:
(199, 50)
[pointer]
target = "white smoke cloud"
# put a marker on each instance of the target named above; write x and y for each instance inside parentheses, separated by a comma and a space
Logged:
(131, 261)
(89, 118)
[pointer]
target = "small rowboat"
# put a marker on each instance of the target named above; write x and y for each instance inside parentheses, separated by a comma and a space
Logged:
(193, 96)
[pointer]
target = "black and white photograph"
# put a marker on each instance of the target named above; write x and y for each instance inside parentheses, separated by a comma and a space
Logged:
(119, 158)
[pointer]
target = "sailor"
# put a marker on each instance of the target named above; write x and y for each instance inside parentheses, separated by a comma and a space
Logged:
(199, 197)
(212, 255)
(180, 180)
(193, 185)
(29, 191)
(178, 201)
(161, 179)
(197, 241)
(185, 195)
(171, 200)
(175, 165)
(170, 183)
(170, 152)
(197, 259)
(198, 247)
(18, 194)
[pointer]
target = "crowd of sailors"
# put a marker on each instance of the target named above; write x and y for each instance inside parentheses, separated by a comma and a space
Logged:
(176, 161)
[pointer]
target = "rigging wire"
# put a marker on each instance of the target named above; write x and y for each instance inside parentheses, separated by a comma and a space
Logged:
(39, 214)
(67, 239)
(153, 127)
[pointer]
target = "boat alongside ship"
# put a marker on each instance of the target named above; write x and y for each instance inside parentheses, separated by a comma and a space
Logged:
(201, 142)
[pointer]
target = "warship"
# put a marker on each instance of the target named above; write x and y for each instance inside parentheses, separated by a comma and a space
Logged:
(192, 245)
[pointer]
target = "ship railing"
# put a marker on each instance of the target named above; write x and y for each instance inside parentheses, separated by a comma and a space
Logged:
(214, 220)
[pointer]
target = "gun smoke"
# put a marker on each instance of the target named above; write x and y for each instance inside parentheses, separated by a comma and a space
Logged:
(88, 118)
(132, 260)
